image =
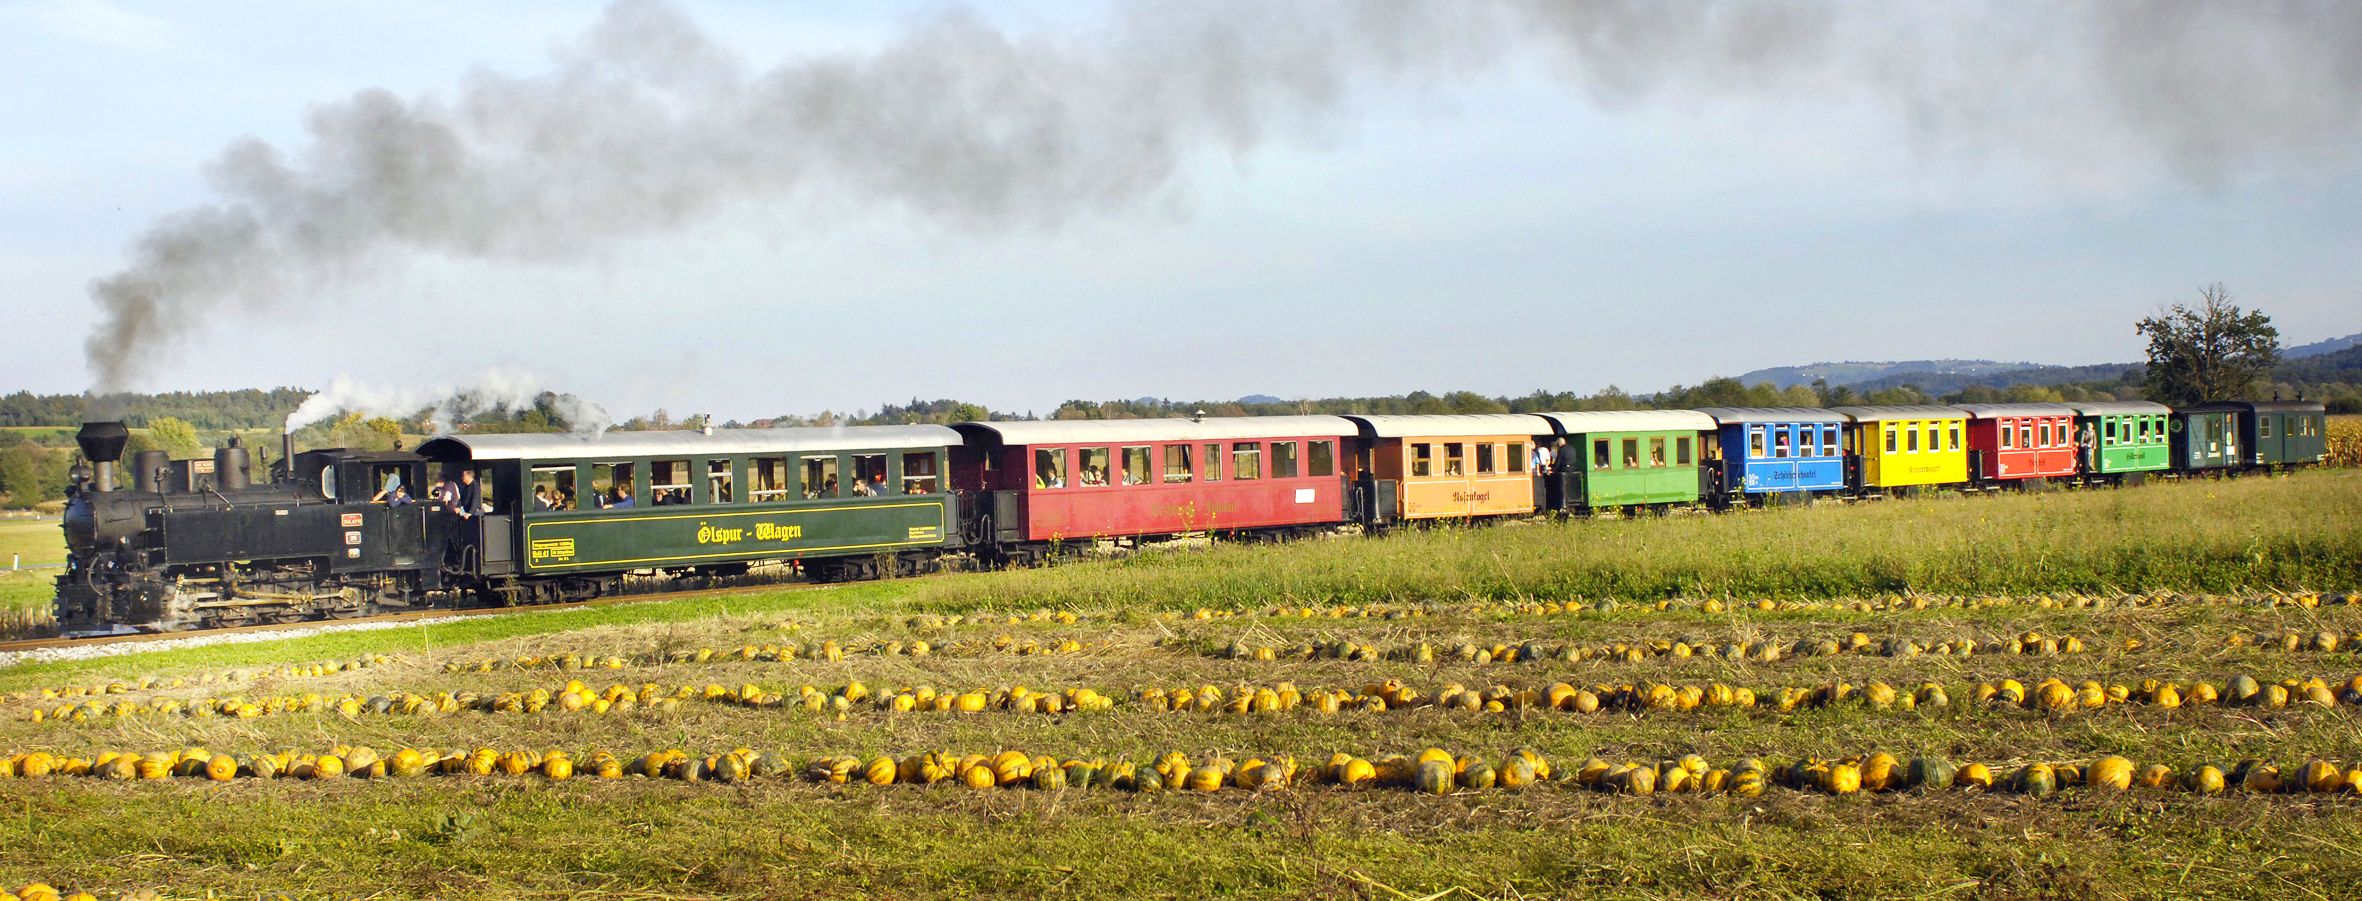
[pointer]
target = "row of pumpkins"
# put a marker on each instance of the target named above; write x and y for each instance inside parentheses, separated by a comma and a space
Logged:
(155, 683)
(2051, 695)
(1432, 771)
(2306, 600)
(2031, 643)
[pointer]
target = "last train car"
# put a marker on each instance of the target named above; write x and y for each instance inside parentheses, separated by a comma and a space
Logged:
(2269, 434)
(564, 516)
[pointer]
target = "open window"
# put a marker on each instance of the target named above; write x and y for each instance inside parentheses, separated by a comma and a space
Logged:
(918, 472)
(719, 487)
(1283, 459)
(1177, 468)
(1683, 453)
(553, 488)
(1953, 432)
(1246, 460)
(1422, 460)
(820, 477)
(612, 485)
(1213, 463)
(2009, 437)
(1656, 451)
(1092, 467)
(1136, 465)
(1321, 458)
(1601, 458)
(1484, 460)
(1754, 442)
(766, 479)
(1829, 439)
(1455, 459)
(1780, 443)
(1631, 453)
(668, 482)
(1049, 467)
(1514, 454)
(869, 476)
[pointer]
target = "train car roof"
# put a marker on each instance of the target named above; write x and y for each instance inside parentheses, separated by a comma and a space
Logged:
(1586, 421)
(2257, 406)
(1986, 411)
(1730, 415)
(1111, 431)
(718, 443)
(1900, 411)
(1447, 425)
(2119, 408)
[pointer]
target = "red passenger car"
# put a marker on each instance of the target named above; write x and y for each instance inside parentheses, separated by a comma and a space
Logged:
(1044, 485)
(2012, 442)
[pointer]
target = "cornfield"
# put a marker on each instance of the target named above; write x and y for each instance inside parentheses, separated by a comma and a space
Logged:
(2345, 441)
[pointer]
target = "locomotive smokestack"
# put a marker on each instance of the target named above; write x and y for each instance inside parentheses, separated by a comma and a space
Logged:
(287, 452)
(102, 444)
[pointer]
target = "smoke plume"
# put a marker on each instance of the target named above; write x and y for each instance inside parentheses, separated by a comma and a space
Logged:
(445, 406)
(644, 125)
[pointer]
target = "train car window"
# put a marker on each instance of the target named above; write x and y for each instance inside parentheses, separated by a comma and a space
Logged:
(1516, 455)
(1283, 460)
(2044, 434)
(1322, 459)
(1455, 458)
(1049, 467)
(1829, 439)
(1246, 460)
(820, 477)
(1681, 451)
(1422, 460)
(1213, 463)
(328, 481)
(611, 485)
(1601, 460)
(1779, 443)
(1804, 441)
(1656, 452)
(718, 483)
(1755, 442)
(1631, 453)
(2107, 432)
(2026, 436)
(869, 476)
(1933, 433)
(1484, 460)
(1954, 432)
(1176, 463)
(918, 472)
(553, 489)
(2263, 427)
(668, 482)
(2009, 437)
(766, 479)
(1136, 465)
(1093, 466)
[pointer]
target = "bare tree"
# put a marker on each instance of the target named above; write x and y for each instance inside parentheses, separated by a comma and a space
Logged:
(2214, 352)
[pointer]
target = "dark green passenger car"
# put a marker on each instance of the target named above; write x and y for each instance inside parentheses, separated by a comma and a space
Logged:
(2271, 433)
(566, 515)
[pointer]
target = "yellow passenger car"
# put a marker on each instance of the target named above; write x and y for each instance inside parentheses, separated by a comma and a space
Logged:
(1455, 466)
(1908, 446)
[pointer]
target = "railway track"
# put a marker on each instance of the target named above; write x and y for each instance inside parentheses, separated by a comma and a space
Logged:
(34, 644)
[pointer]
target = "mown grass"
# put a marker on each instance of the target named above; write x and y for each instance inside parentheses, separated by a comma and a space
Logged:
(34, 540)
(2204, 536)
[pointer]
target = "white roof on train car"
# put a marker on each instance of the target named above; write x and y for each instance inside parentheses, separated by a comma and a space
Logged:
(1113, 431)
(1900, 411)
(2120, 408)
(1987, 411)
(1447, 425)
(720, 443)
(1588, 421)
(1735, 415)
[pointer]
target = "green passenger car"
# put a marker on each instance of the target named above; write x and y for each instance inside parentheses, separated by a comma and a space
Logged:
(1628, 458)
(2123, 439)
(843, 503)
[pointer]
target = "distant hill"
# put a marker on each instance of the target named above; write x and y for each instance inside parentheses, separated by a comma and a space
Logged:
(1853, 373)
(1261, 399)
(1941, 383)
(2334, 366)
(2318, 348)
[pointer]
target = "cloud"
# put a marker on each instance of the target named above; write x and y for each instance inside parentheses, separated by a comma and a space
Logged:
(100, 22)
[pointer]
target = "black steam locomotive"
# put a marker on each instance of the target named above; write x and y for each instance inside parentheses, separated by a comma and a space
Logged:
(167, 545)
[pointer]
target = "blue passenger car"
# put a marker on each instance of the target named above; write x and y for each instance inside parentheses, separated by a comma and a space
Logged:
(1764, 451)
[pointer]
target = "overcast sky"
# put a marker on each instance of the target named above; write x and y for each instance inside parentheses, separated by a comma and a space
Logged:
(771, 208)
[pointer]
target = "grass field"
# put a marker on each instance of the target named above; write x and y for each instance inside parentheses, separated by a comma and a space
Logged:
(2229, 574)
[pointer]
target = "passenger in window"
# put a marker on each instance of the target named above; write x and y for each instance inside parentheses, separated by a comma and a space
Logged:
(471, 497)
(829, 488)
(862, 489)
(877, 485)
(541, 499)
(392, 494)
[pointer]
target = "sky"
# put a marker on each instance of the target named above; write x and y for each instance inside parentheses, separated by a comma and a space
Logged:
(748, 209)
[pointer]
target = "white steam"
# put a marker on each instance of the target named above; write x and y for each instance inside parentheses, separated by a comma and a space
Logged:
(444, 406)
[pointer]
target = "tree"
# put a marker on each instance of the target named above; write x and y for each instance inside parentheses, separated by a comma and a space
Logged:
(2215, 352)
(175, 436)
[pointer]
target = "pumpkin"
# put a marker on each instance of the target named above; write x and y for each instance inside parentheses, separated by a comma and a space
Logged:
(1478, 776)
(881, 771)
(1011, 767)
(1433, 777)
(1932, 773)
(2158, 775)
(1205, 779)
(2111, 772)
(2206, 780)
(978, 776)
(2320, 777)
(1517, 772)
(558, 768)
(1747, 783)
(1975, 775)
(1882, 772)
(222, 768)
(1049, 778)
(407, 763)
(2037, 779)
(1358, 773)
(263, 766)
(1843, 779)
